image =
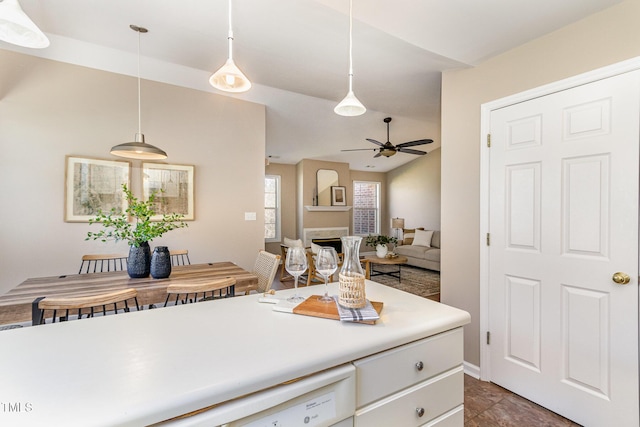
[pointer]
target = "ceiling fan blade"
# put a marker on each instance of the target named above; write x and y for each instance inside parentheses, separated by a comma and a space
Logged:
(360, 149)
(377, 155)
(417, 142)
(410, 151)
(375, 142)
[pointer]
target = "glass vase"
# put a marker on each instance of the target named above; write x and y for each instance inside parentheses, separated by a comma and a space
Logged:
(351, 277)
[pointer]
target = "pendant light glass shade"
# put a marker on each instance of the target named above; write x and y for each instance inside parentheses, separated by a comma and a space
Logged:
(16, 27)
(138, 149)
(350, 105)
(229, 78)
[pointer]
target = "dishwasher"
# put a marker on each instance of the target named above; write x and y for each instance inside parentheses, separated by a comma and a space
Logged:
(325, 399)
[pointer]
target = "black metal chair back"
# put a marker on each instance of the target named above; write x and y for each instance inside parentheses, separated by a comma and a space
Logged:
(100, 263)
(62, 309)
(195, 292)
(180, 257)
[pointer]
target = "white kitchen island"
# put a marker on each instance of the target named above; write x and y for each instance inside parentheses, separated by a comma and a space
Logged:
(151, 366)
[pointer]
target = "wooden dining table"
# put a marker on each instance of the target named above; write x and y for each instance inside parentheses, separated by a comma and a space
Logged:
(16, 305)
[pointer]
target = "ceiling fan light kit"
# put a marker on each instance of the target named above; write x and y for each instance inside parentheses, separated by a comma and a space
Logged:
(350, 105)
(229, 78)
(388, 149)
(17, 28)
(138, 149)
(387, 152)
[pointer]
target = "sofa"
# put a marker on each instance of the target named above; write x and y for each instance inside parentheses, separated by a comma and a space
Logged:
(421, 247)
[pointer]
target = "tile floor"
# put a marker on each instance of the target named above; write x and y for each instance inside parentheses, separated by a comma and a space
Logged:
(489, 405)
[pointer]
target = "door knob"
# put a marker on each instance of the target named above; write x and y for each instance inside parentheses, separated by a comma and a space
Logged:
(621, 278)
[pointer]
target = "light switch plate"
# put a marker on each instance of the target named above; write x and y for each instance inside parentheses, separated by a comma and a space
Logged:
(249, 216)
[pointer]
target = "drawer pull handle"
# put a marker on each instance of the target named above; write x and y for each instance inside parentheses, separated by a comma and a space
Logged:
(419, 366)
(420, 412)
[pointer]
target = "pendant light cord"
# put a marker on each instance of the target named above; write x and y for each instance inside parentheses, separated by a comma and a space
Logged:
(350, 105)
(350, 44)
(139, 109)
(230, 37)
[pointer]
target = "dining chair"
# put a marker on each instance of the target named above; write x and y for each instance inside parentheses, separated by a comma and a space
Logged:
(120, 300)
(284, 247)
(284, 274)
(366, 266)
(187, 293)
(314, 276)
(265, 268)
(180, 257)
(100, 263)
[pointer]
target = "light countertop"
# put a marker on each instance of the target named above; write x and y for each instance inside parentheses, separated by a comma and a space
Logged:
(148, 366)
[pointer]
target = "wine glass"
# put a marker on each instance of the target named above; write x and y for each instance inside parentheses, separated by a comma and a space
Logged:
(296, 264)
(326, 265)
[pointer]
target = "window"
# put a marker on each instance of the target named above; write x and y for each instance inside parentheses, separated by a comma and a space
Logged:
(272, 208)
(366, 208)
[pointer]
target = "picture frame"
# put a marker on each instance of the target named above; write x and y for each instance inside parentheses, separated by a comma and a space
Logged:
(338, 195)
(174, 187)
(93, 185)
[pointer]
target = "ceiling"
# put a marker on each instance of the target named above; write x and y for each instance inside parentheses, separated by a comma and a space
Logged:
(296, 54)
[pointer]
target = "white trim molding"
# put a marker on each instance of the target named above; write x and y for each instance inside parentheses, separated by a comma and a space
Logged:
(471, 370)
(485, 127)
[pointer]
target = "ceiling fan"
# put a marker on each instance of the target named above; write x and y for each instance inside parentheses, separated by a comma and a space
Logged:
(388, 149)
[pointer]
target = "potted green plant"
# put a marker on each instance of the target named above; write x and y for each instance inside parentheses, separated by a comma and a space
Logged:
(380, 242)
(138, 233)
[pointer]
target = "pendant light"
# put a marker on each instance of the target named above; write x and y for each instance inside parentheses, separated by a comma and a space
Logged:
(229, 78)
(138, 149)
(350, 105)
(16, 27)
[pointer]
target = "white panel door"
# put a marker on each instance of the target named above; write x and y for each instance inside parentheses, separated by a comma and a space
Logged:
(563, 220)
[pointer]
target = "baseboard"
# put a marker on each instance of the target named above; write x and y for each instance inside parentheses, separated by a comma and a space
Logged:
(471, 370)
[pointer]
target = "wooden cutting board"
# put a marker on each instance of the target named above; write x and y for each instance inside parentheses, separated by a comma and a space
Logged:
(313, 307)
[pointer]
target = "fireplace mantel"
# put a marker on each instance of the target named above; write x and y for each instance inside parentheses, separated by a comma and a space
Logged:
(327, 208)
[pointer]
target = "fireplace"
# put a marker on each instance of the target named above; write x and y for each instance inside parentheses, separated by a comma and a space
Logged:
(334, 242)
(323, 233)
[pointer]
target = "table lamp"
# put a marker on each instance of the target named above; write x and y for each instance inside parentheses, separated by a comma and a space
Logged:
(397, 223)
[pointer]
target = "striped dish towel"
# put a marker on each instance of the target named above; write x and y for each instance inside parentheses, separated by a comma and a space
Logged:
(356, 314)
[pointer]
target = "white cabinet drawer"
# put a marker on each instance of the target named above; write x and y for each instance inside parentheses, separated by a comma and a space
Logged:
(453, 418)
(385, 373)
(435, 397)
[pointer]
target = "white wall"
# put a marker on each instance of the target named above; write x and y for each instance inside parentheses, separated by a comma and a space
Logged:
(610, 36)
(414, 192)
(51, 109)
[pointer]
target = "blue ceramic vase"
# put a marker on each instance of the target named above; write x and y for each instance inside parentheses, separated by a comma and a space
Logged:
(160, 262)
(139, 261)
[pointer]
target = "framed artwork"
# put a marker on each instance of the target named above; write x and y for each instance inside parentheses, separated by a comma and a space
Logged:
(338, 196)
(174, 188)
(92, 185)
